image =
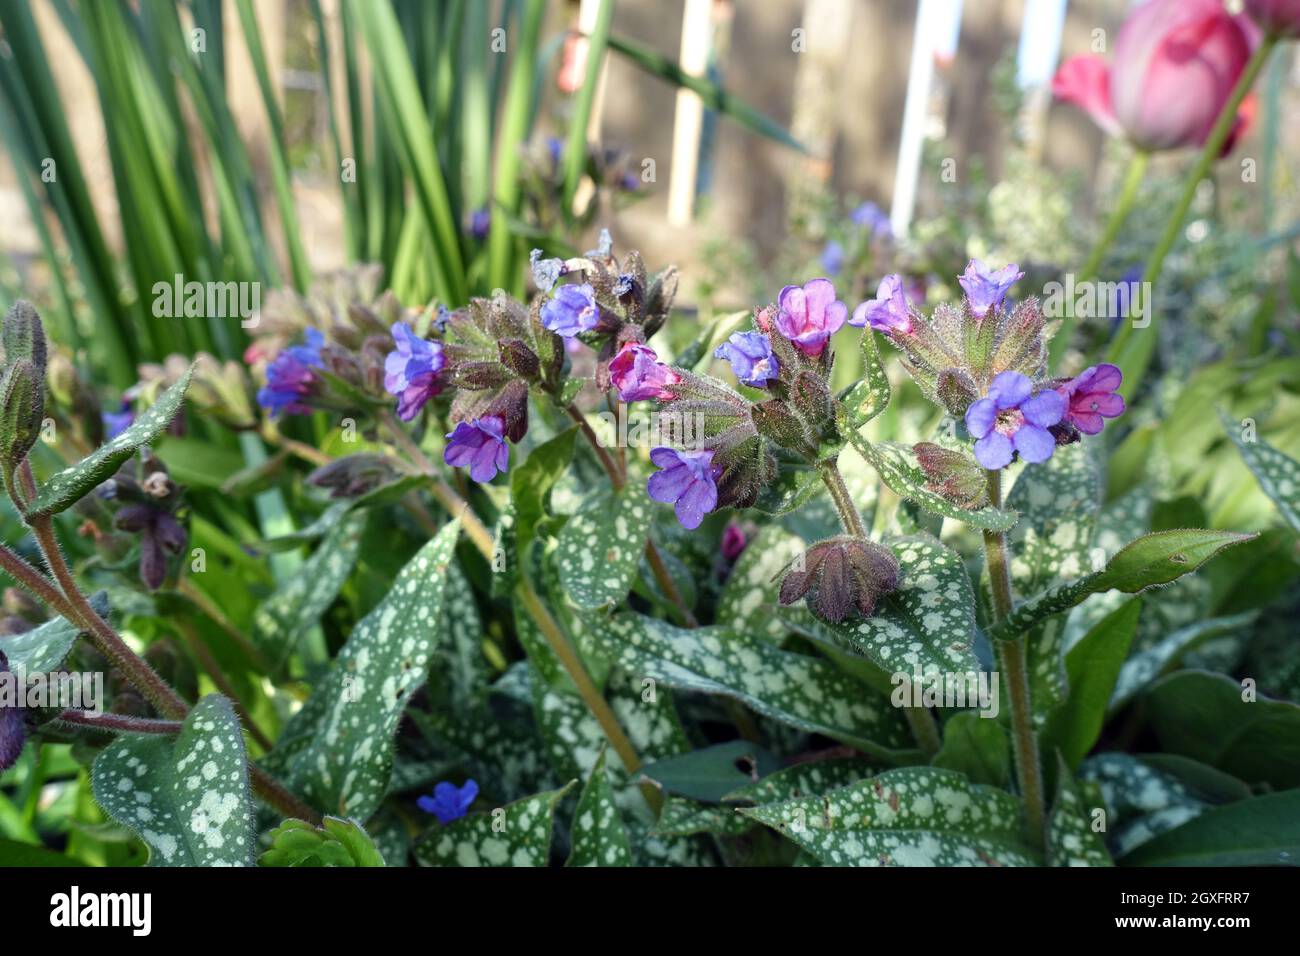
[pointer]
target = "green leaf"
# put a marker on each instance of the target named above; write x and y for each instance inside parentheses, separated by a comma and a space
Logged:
(599, 837)
(187, 799)
(15, 854)
(1141, 800)
(714, 96)
(338, 749)
(1092, 666)
(795, 689)
(1148, 664)
(518, 834)
(1071, 841)
(869, 397)
(684, 817)
(531, 482)
(337, 843)
(927, 626)
(1058, 503)
(976, 747)
(794, 486)
(1150, 561)
(1203, 716)
(710, 773)
(601, 546)
(46, 647)
(460, 654)
(915, 816)
(1261, 831)
(298, 603)
(1278, 474)
(897, 468)
(803, 780)
(749, 597)
(70, 485)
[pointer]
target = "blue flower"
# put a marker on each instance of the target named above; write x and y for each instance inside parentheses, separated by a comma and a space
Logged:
(751, 358)
(985, 288)
(290, 380)
(572, 311)
(686, 481)
(833, 257)
(480, 445)
(870, 216)
(119, 421)
(1012, 419)
(888, 311)
(411, 371)
(449, 802)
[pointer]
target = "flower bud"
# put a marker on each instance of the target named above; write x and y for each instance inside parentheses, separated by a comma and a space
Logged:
(953, 475)
(956, 391)
(840, 575)
(520, 359)
(778, 424)
(22, 410)
(511, 405)
(353, 475)
(23, 336)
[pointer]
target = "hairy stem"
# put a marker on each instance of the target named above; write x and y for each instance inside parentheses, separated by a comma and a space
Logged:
(1015, 672)
(117, 723)
(848, 511)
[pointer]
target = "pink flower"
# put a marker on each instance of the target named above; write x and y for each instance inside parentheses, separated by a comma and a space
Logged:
(638, 375)
(1175, 64)
(1277, 16)
(1091, 397)
(810, 315)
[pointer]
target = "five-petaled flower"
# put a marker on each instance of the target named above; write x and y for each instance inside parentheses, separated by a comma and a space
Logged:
(985, 287)
(1013, 419)
(1090, 397)
(888, 311)
(290, 379)
(809, 315)
(573, 310)
(411, 371)
(479, 445)
(686, 481)
(638, 374)
(751, 358)
(449, 802)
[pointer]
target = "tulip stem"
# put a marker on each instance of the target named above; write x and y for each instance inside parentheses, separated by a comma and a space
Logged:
(1015, 672)
(1137, 168)
(1133, 360)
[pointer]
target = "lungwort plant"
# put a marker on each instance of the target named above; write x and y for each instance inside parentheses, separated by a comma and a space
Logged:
(573, 594)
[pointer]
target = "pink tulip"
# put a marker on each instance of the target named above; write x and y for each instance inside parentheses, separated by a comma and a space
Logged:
(1175, 64)
(1276, 16)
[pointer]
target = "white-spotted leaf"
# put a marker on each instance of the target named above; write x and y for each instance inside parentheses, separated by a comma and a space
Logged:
(518, 834)
(599, 837)
(601, 546)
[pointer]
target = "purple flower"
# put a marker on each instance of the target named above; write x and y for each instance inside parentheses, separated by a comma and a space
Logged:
(573, 310)
(480, 445)
(411, 371)
(480, 220)
(638, 375)
(1011, 419)
(1090, 397)
(119, 421)
(449, 802)
(985, 288)
(870, 216)
(751, 358)
(833, 257)
(810, 315)
(289, 379)
(733, 542)
(887, 312)
(686, 481)
(13, 727)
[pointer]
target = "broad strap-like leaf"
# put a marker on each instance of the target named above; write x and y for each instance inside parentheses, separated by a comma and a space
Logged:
(298, 603)
(898, 469)
(914, 816)
(1278, 474)
(749, 598)
(1151, 560)
(601, 546)
(599, 837)
(459, 659)
(1261, 831)
(518, 834)
(927, 626)
(1146, 665)
(65, 488)
(795, 689)
(803, 780)
(682, 817)
(1071, 840)
(187, 798)
(708, 774)
(338, 750)
(532, 481)
(45, 647)
(336, 842)
(976, 747)
(1058, 502)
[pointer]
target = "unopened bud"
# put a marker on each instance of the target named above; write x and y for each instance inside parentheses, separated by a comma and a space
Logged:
(22, 410)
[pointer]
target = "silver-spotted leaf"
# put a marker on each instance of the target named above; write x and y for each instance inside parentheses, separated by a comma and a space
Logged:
(601, 546)
(518, 834)
(599, 837)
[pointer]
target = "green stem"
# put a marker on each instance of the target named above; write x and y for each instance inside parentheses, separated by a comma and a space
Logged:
(1133, 360)
(1137, 168)
(1015, 673)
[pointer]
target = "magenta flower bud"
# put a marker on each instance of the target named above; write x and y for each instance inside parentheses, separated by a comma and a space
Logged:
(638, 375)
(1013, 420)
(985, 288)
(1175, 65)
(479, 445)
(411, 371)
(572, 311)
(888, 311)
(1091, 397)
(751, 358)
(1276, 16)
(686, 481)
(733, 542)
(810, 315)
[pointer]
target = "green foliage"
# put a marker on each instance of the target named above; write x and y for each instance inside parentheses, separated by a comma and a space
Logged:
(335, 843)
